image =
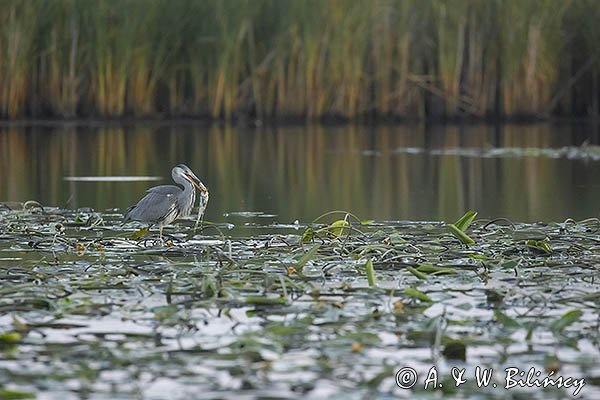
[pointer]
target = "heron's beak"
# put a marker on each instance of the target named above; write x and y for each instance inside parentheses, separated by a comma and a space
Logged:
(196, 182)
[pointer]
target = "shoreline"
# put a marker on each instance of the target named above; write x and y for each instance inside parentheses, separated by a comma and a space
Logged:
(292, 121)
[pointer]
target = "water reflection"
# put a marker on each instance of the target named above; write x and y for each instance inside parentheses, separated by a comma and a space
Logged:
(302, 172)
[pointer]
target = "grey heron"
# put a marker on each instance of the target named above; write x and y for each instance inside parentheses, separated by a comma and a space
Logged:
(165, 203)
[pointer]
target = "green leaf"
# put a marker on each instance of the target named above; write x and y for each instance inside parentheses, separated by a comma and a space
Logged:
(509, 264)
(411, 292)
(455, 350)
(433, 270)
(506, 320)
(416, 273)
(540, 245)
(460, 235)
(339, 227)
(10, 337)
(308, 235)
(306, 257)
(565, 320)
(79, 221)
(7, 394)
(286, 330)
(262, 300)
(137, 235)
(464, 221)
(395, 238)
(494, 296)
(370, 272)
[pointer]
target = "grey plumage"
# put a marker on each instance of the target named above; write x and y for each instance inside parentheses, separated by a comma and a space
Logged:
(166, 203)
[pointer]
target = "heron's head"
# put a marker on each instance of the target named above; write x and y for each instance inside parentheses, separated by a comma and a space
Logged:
(185, 172)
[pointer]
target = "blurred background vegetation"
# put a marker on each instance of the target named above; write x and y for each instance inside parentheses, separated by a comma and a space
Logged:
(303, 59)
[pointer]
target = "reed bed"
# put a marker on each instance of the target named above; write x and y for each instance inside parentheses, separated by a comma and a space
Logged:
(299, 59)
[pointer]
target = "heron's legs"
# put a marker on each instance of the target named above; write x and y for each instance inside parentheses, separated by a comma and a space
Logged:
(160, 227)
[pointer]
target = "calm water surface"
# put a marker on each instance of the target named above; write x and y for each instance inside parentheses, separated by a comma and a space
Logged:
(382, 173)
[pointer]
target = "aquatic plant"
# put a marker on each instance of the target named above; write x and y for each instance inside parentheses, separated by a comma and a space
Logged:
(347, 301)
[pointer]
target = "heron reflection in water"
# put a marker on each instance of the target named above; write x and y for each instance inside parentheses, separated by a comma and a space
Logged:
(164, 204)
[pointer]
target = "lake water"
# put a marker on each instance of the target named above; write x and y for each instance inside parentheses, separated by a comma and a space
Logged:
(87, 312)
(407, 172)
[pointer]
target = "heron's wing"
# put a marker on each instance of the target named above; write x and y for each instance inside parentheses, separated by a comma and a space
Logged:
(160, 202)
(165, 189)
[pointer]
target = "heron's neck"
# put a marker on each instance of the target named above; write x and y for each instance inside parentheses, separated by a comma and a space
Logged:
(189, 190)
(188, 187)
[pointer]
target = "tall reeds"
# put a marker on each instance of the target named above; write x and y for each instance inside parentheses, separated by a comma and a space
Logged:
(299, 58)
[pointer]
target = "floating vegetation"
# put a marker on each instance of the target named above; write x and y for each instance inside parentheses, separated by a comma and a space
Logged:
(330, 308)
(459, 227)
(585, 152)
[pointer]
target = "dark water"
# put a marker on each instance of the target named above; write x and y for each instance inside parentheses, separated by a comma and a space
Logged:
(382, 173)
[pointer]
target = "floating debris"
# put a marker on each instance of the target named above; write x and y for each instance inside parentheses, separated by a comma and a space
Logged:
(585, 152)
(112, 178)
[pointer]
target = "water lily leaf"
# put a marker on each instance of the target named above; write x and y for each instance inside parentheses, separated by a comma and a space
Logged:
(433, 270)
(370, 272)
(460, 235)
(308, 235)
(509, 264)
(565, 320)
(395, 238)
(7, 394)
(411, 292)
(339, 228)
(262, 300)
(306, 257)
(464, 221)
(137, 235)
(10, 337)
(416, 273)
(506, 320)
(540, 245)
(79, 221)
(455, 350)
(287, 330)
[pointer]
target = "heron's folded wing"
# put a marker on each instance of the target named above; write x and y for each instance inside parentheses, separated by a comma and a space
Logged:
(165, 189)
(153, 207)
